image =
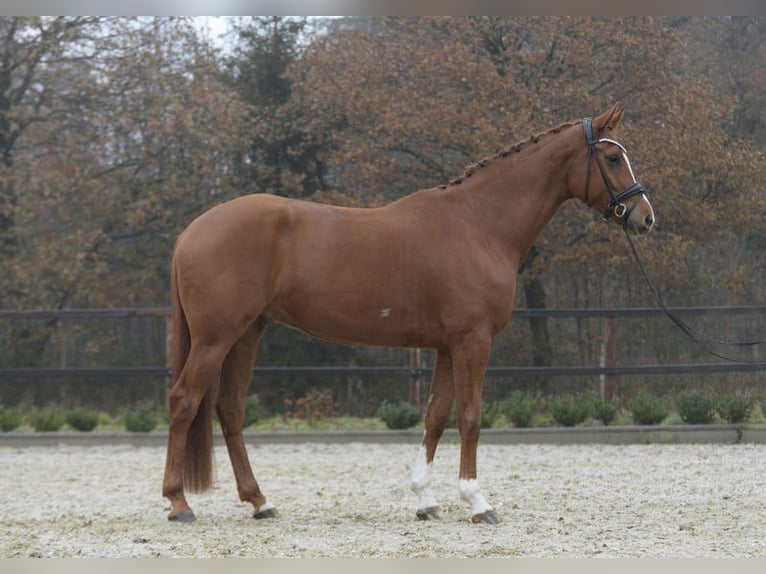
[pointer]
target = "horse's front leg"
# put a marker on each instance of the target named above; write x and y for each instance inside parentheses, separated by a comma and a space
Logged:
(440, 400)
(469, 360)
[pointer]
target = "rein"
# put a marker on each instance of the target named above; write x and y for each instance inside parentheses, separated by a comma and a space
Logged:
(702, 341)
(615, 205)
(617, 208)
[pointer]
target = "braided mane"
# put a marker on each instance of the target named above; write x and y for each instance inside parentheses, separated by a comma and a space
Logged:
(515, 148)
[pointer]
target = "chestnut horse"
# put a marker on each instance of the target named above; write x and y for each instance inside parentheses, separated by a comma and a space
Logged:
(436, 269)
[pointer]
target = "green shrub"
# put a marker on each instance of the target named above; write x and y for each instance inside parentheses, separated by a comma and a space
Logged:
(603, 411)
(46, 420)
(141, 419)
(82, 419)
(647, 409)
(401, 415)
(736, 408)
(696, 408)
(254, 411)
(490, 414)
(520, 408)
(570, 411)
(9, 418)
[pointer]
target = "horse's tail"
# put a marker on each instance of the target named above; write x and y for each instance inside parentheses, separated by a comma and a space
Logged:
(198, 457)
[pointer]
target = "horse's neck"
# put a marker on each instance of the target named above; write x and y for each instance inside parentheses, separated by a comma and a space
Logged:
(515, 197)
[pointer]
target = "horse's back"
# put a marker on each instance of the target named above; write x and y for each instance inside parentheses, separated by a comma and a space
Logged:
(273, 248)
(382, 276)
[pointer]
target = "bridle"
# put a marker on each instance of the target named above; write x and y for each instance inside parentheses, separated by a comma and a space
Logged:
(615, 206)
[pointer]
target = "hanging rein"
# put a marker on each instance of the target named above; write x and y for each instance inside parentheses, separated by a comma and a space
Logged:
(617, 207)
(702, 341)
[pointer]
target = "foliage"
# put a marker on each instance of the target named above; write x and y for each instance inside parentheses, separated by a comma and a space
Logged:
(82, 419)
(313, 406)
(48, 419)
(647, 409)
(696, 408)
(602, 410)
(283, 346)
(401, 415)
(736, 407)
(396, 123)
(490, 414)
(116, 132)
(254, 411)
(520, 408)
(333, 423)
(9, 418)
(282, 156)
(141, 419)
(570, 410)
(105, 172)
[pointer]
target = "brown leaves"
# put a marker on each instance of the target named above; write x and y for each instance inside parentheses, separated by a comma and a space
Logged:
(105, 184)
(410, 106)
(124, 145)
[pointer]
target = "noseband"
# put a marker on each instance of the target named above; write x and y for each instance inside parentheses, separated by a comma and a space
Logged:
(615, 206)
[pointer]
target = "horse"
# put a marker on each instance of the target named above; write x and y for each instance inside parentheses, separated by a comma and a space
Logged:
(434, 269)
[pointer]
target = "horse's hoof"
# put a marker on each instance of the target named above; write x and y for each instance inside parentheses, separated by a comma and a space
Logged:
(430, 513)
(488, 517)
(267, 513)
(185, 516)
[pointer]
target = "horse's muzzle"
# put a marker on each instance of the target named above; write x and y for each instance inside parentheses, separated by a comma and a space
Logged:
(641, 217)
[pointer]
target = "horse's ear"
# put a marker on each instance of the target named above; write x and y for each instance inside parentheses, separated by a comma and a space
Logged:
(610, 120)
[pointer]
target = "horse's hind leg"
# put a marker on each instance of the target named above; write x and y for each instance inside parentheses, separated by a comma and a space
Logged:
(188, 398)
(437, 411)
(232, 396)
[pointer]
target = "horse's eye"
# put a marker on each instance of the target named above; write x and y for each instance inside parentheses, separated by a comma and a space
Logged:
(613, 159)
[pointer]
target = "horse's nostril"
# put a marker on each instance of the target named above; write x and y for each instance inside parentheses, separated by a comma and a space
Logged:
(649, 220)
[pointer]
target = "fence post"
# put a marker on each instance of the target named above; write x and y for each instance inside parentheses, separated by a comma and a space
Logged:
(609, 359)
(415, 378)
(168, 351)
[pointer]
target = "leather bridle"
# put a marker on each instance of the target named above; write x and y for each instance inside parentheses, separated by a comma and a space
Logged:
(616, 205)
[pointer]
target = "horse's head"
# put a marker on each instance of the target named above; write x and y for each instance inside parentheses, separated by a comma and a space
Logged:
(609, 185)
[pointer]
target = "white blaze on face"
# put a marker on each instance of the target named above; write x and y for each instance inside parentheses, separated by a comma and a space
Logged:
(419, 479)
(633, 177)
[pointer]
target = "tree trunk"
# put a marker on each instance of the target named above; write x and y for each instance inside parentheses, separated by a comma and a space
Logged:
(534, 291)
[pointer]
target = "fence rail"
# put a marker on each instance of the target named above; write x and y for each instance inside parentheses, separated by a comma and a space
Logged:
(592, 312)
(126, 372)
(610, 369)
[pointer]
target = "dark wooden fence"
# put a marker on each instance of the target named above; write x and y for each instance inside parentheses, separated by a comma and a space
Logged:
(608, 369)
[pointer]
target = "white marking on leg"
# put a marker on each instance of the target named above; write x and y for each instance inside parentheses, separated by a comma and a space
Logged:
(264, 507)
(419, 478)
(470, 492)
